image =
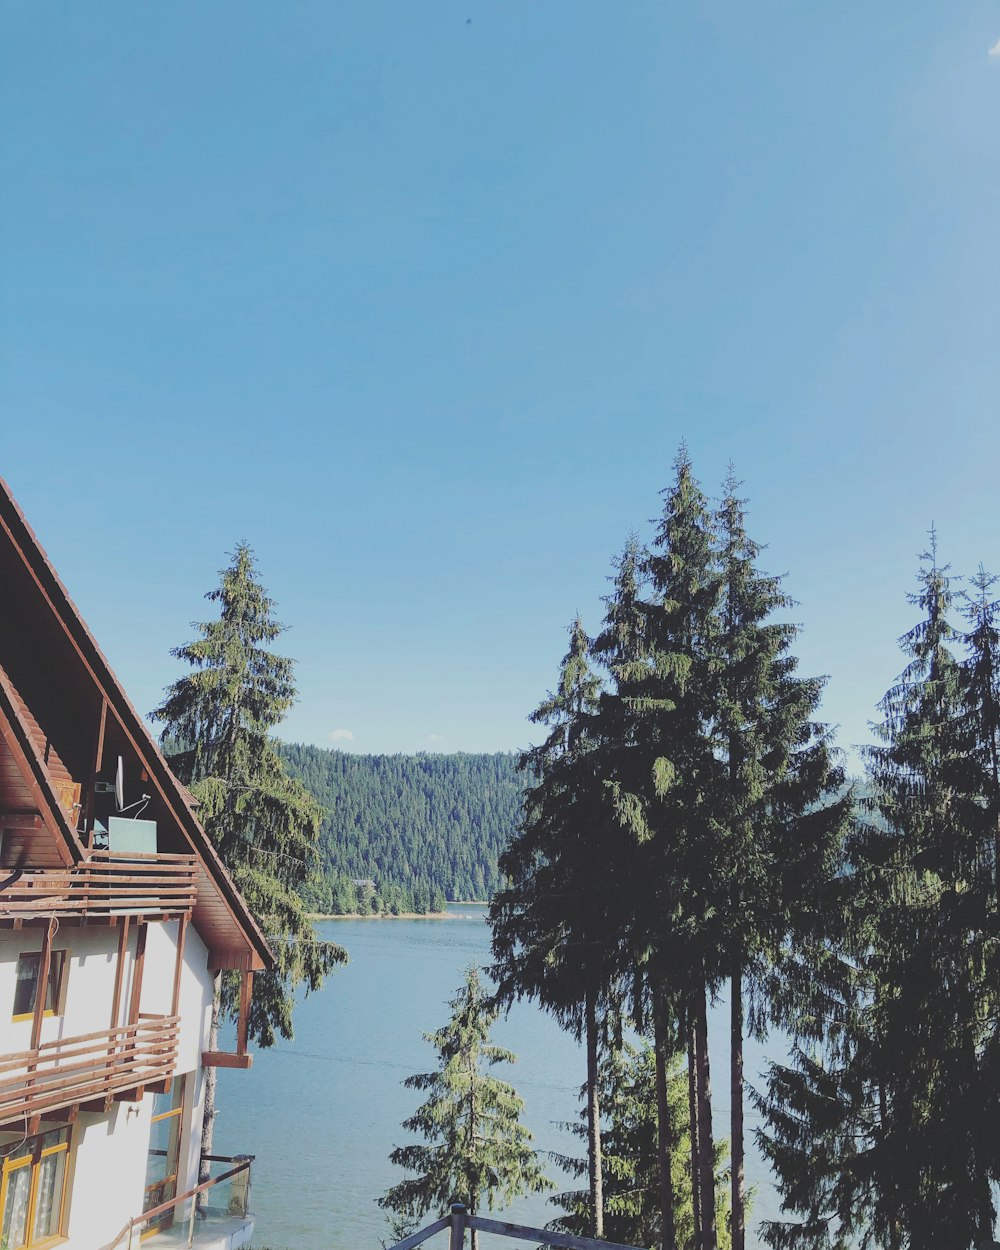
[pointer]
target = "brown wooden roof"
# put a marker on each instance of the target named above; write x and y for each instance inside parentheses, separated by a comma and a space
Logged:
(63, 716)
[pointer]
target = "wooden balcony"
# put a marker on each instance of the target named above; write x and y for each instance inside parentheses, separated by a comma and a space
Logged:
(92, 1068)
(107, 883)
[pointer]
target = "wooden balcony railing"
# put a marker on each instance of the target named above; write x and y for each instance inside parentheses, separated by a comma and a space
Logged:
(107, 883)
(459, 1220)
(75, 1070)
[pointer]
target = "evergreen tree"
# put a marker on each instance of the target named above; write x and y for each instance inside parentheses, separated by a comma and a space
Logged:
(217, 725)
(783, 820)
(628, 1097)
(889, 1134)
(477, 1147)
(676, 774)
(982, 684)
(551, 937)
(923, 902)
(664, 776)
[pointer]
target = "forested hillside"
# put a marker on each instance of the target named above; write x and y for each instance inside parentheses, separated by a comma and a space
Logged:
(420, 828)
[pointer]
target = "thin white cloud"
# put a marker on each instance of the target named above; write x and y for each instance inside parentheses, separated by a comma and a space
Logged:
(995, 50)
(341, 735)
(435, 738)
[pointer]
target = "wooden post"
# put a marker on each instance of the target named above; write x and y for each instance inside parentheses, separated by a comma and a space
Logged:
(458, 1214)
(175, 1002)
(95, 768)
(243, 1023)
(140, 961)
(42, 988)
(116, 997)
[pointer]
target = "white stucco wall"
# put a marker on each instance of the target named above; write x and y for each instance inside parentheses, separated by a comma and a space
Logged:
(92, 951)
(108, 1153)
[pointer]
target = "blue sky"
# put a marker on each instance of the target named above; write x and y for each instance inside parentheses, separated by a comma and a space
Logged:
(419, 299)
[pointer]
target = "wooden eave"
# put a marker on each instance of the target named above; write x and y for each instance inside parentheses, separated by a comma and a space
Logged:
(20, 742)
(221, 915)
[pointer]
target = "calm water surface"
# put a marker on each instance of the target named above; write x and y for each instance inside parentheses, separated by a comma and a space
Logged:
(322, 1112)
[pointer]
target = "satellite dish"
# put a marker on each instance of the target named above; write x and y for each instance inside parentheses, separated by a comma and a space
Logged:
(120, 785)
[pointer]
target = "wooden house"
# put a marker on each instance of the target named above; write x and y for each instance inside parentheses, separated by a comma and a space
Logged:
(116, 914)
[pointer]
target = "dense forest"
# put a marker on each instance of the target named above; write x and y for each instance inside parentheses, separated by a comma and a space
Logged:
(405, 833)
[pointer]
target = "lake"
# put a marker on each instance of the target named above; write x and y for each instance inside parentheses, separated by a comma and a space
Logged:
(322, 1112)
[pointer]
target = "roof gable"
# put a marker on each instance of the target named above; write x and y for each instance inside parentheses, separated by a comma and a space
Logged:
(84, 722)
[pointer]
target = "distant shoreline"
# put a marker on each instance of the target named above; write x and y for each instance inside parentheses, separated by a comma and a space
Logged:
(399, 915)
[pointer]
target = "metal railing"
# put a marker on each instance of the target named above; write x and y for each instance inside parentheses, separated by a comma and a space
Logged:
(107, 883)
(239, 1202)
(459, 1220)
(93, 1065)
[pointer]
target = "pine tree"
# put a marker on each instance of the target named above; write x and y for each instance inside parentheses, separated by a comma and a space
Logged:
(551, 936)
(218, 721)
(923, 900)
(885, 1130)
(982, 684)
(477, 1147)
(633, 1214)
(663, 775)
(680, 760)
(783, 820)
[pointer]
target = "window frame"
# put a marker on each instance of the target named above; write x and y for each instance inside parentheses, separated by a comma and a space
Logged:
(178, 1104)
(33, 1162)
(58, 965)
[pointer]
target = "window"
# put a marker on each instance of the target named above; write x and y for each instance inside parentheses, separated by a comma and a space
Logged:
(164, 1157)
(26, 990)
(33, 1189)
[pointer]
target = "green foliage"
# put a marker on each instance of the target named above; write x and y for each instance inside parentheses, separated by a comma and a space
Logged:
(218, 720)
(631, 1174)
(421, 828)
(477, 1147)
(550, 936)
(884, 1131)
(686, 818)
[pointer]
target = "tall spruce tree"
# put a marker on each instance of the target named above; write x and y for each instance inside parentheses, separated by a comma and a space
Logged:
(982, 684)
(551, 936)
(683, 778)
(664, 770)
(887, 1136)
(477, 1147)
(218, 720)
(783, 820)
(924, 929)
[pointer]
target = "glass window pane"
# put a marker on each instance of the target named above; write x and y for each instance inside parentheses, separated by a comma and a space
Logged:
(55, 981)
(28, 967)
(14, 1228)
(27, 980)
(163, 1140)
(49, 1193)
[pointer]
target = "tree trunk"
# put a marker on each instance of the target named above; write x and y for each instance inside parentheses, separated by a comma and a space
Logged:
(210, 1080)
(594, 1122)
(706, 1143)
(738, 1199)
(693, 1116)
(883, 1112)
(664, 1133)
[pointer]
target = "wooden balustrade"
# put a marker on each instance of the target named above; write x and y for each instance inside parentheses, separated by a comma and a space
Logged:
(74, 1070)
(107, 883)
(460, 1219)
